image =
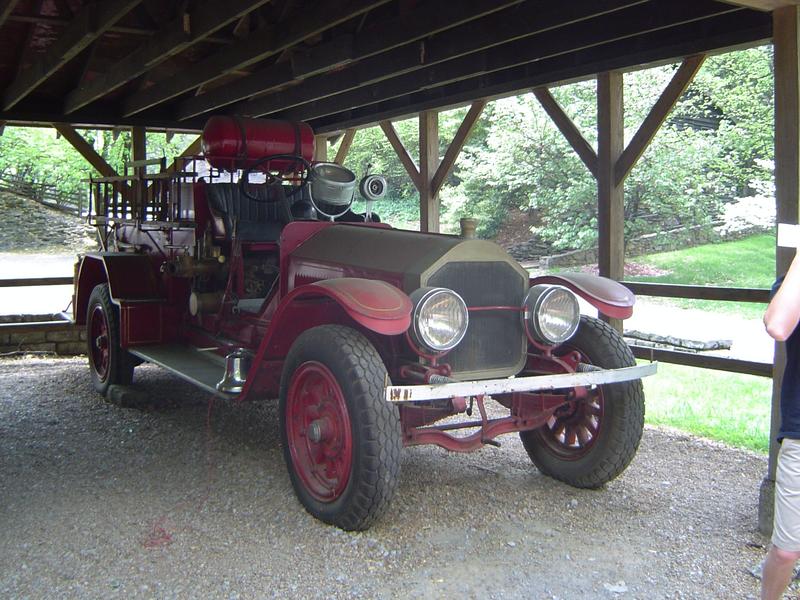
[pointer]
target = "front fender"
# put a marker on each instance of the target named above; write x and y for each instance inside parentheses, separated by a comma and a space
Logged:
(376, 305)
(610, 297)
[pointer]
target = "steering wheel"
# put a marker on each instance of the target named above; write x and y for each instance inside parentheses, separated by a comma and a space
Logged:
(276, 178)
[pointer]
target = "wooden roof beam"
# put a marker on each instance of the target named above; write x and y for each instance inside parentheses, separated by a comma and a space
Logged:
(260, 45)
(515, 24)
(91, 22)
(6, 8)
(657, 115)
(131, 30)
(568, 129)
(402, 154)
(659, 15)
(85, 149)
(203, 21)
(344, 147)
(454, 149)
(734, 29)
(436, 16)
(765, 5)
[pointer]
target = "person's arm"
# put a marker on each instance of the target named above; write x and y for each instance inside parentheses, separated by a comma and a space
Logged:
(783, 312)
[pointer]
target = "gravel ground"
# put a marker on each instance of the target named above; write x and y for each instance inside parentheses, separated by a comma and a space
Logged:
(160, 501)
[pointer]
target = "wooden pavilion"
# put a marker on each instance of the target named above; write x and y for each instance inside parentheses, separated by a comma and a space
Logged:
(340, 65)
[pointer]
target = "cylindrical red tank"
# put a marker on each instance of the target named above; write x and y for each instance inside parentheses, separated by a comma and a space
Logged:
(232, 143)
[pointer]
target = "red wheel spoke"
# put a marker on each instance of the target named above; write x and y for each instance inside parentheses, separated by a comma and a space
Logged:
(584, 435)
(570, 437)
(571, 432)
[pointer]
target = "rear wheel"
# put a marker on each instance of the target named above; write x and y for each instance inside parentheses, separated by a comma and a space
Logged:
(109, 364)
(590, 441)
(341, 438)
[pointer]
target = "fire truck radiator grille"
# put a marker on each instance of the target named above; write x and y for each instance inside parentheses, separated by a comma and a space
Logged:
(495, 340)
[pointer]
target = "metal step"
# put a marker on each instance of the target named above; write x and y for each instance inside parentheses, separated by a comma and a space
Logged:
(203, 369)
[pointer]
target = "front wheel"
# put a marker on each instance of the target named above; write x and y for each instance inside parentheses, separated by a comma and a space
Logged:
(341, 438)
(591, 440)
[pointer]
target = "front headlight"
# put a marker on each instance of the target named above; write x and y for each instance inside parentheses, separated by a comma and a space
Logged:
(552, 314)
(440, 318)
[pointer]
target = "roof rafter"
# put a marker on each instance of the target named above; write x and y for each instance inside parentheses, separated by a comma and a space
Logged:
(513, 24)
(91, 22)
(260, 45)
(659, 15)
(6, 8)
(203, 21)
(438, 15)
(734, 29)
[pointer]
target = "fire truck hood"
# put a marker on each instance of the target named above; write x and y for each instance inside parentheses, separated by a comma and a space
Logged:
(411, 256)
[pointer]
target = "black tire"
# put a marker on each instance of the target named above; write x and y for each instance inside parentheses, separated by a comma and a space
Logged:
(621, 418)
(331, 394)
(109, 364)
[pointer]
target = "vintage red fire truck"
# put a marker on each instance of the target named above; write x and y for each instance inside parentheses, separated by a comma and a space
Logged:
(247, 273)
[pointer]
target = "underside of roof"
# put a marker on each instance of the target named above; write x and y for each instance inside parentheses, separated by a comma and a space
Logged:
(170, 64)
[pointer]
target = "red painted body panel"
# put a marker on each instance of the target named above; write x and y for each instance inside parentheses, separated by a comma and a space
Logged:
(609, 297)
(130, 277)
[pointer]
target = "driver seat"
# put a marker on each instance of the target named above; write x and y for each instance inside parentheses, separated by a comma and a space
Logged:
(259, 220)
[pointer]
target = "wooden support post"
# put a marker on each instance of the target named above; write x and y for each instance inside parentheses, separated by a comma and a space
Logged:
(344, 147)
(2, 128)
(320, 148)
(613, 161)
(428, 163)
(786, 39)
(138, 197)
(431, 175)
(610, 213)
(138, 143)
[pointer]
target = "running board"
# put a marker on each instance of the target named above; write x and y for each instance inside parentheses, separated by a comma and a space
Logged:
(203, 369)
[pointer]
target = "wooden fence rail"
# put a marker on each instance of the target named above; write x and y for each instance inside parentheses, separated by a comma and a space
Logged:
(719, 363)
(700, 292)
(43, 193)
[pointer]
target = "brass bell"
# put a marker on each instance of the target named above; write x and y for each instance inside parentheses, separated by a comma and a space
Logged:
(237, 363)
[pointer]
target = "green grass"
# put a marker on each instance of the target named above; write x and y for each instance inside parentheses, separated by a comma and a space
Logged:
(729, 407)
(749, 262)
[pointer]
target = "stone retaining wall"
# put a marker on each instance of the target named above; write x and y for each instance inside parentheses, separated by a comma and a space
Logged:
(41, 333)
(654, 242)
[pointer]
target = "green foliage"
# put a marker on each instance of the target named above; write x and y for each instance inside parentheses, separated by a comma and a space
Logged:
(516, 157)
(40, 157)
(728, 407)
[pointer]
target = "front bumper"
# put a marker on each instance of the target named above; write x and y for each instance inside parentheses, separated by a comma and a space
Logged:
(537, 383)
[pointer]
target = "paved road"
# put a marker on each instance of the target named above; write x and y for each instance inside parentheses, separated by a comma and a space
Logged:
(35, 300)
